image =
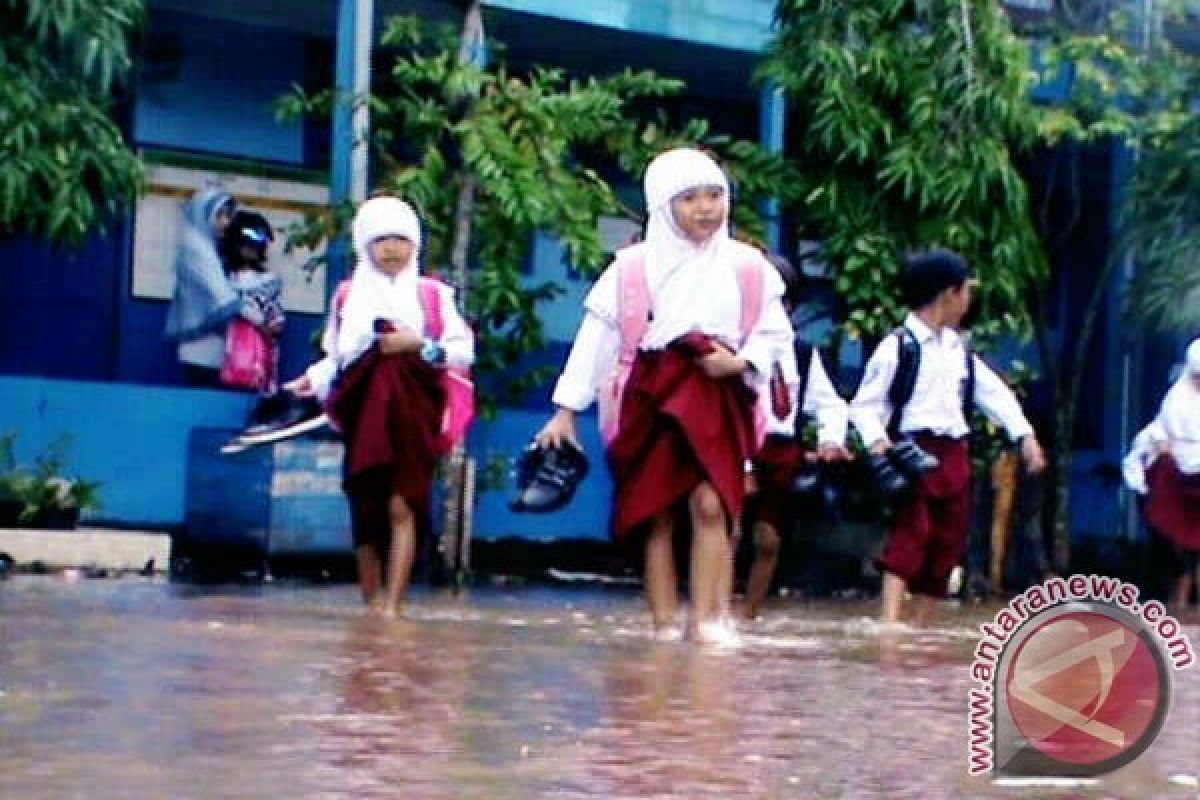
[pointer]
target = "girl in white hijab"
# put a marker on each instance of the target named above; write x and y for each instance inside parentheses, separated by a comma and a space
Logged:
(1164, 463)
(687, 409)
(389, 399)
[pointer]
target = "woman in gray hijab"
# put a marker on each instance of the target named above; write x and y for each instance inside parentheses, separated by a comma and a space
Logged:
(204, 300)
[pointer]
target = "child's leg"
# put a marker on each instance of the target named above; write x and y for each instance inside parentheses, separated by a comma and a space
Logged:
(725, 590)
(1181, 593)
(661, 583)
(370, 572)
(710, 554)
(892, 603)
(400, 562)
(766, 557)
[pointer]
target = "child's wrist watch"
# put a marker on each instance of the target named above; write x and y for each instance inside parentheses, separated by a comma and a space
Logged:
(432, 352)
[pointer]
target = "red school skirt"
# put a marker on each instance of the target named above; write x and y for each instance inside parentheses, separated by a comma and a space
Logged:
(679, 428)
(1173, 505)
(389, 408)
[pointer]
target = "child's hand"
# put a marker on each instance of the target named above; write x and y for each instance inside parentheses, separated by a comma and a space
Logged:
(300, 387)
(401, 340)
(559, 430)
(721, 363)
(828, 451)
(1031, 452)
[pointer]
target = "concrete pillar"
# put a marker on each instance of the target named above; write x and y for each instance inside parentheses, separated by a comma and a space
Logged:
(351, 121)
(772, 118)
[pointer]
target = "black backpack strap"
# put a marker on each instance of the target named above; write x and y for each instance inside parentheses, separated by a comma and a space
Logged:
(968, 388)
(908, 361)
(804, 357)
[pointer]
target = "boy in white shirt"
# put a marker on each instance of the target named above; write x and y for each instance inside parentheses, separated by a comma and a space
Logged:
(782, 456)
(931, 524)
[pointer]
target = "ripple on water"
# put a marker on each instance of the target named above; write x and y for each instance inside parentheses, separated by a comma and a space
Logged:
(115, 689)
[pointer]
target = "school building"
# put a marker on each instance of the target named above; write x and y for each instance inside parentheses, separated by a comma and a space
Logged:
(81, 345)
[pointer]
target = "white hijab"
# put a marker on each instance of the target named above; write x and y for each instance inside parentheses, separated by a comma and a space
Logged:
(1179, 416)
(668, 176)
(373, 293)
(671, 255)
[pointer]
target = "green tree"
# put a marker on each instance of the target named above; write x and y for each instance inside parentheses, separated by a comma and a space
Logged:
(1162, 224)
(905, 114)
(64, 166)
(908, 117)
(1130, 85)
(542, 151)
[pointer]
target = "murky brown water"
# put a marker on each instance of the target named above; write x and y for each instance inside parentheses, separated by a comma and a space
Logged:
(129, 689)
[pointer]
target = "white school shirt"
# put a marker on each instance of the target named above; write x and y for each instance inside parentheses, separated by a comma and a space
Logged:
(1142, 453)
(1177, 425)
(395, 299)
(820, 399)
(701, 295)
(936, 405)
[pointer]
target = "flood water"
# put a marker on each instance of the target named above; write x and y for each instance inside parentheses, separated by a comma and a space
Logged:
(141, 689)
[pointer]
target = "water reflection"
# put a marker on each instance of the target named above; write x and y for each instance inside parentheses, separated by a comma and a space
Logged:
(129, 689)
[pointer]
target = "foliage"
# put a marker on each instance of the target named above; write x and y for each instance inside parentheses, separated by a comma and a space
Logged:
(1131, 80)
(544, 150)
(43, 487)
(64, 166)
(905, 121)
(1128, 81)
(1162, 228)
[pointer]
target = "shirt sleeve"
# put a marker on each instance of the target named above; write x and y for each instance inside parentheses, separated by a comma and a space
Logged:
(997, 401)
(593, 357)
(252, 309)
(321, 375)
(457, 338)
(771, 335)
(822, 401)
(870, 409)
(355, 333)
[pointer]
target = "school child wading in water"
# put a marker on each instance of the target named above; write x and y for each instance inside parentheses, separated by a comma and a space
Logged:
(1165, 465)
(389, 399)
(799, 385)
(931, 524)
(706, 319)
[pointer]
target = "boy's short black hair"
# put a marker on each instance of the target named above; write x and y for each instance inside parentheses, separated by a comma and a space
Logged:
(928, 274)
(791, 278)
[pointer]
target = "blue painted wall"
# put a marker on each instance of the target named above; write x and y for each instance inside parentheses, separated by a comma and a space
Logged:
(209, 85)
(736, 24)
(134, 440)
(71, 314)
(205, 85)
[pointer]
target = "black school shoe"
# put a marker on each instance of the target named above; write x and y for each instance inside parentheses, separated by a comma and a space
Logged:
(299, 418)
(910, 459)
(547, 479)
(888, 480)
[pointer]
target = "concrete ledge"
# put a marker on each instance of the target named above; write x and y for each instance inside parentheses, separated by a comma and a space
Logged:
(87, 547)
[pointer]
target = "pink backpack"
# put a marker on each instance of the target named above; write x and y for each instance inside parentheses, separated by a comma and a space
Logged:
(460, 390)
(633, 318)
(250, 358)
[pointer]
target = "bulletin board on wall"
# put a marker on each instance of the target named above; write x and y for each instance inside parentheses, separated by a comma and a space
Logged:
(159, 219)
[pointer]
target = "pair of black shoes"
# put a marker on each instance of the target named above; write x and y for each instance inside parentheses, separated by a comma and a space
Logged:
(278, 418)
(897, 470)
(548, 477)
